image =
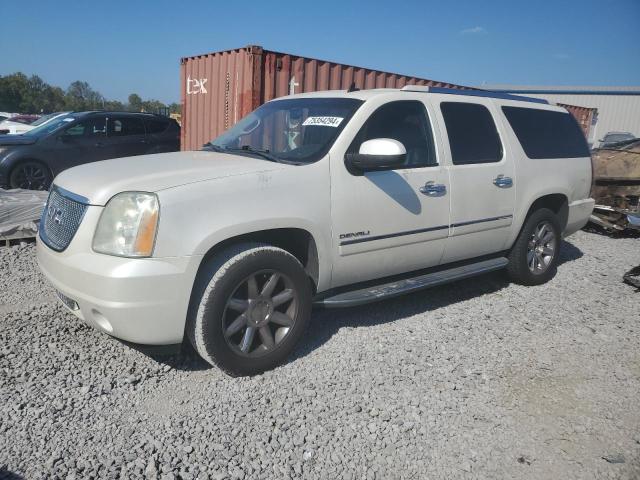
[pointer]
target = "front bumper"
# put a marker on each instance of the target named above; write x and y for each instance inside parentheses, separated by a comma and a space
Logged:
(138, 300)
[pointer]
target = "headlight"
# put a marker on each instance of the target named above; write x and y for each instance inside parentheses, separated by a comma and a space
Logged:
(128, 225)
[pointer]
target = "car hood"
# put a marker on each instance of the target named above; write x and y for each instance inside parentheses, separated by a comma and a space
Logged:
(100, 181)
(16, 140)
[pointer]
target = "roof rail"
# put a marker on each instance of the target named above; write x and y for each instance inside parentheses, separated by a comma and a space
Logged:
(471, 93)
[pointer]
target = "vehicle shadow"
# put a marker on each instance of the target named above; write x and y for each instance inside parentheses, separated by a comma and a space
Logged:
(325, 323)
(8, 475)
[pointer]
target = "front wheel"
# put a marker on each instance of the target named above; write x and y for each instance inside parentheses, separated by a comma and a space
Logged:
(534, 257)
(31, 176)
(250, 307)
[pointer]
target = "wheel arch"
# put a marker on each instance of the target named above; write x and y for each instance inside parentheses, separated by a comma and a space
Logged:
(297, 241)
(556, 202)
(16, 162)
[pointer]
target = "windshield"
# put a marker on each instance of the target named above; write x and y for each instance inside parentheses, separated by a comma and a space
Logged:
(51, 126)
(44, 118)
(618, 137)
(298, 130)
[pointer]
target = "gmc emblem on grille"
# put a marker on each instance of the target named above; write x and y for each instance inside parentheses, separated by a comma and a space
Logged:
(55, 215)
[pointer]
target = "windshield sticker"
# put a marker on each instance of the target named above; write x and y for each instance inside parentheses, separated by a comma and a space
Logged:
(324, 121)
(68, 119)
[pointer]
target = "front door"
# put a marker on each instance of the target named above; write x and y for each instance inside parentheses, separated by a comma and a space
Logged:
(393, 221)
(482, 177)
(82, 142)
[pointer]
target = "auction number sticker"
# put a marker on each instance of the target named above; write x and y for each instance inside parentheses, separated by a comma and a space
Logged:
(324, 121)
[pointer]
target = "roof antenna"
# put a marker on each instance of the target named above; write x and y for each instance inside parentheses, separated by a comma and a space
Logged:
(353, 88)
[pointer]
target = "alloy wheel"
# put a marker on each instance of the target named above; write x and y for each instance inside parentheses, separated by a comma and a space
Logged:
(541, 248)
(30, 176)
(260, 313)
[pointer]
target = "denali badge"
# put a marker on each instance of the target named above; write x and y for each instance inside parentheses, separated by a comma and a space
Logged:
(55, 215)
(354, 234)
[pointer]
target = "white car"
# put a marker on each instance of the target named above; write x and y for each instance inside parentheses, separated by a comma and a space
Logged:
(331, 199)
(18, 128)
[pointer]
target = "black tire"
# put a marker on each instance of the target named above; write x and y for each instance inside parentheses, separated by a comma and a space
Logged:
(223, 289)
(30, 175)
(520, 258)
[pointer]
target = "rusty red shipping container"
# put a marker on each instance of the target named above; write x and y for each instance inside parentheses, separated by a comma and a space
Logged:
(584, 116)
(220, 88)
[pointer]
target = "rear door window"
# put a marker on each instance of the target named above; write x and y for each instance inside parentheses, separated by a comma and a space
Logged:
(547, 134)
(473, 136)
(156, 125)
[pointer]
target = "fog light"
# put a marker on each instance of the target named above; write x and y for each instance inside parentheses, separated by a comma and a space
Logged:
(67, 302)
(102, 321)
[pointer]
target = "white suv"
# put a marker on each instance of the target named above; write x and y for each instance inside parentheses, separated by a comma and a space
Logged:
(332, 199)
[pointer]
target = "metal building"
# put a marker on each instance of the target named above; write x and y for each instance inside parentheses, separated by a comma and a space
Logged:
(618, 108)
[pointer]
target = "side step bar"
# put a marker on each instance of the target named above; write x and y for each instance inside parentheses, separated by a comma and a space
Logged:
(408, 285)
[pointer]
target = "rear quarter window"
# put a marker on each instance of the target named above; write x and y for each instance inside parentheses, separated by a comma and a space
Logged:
(547, 134)
(156, 125)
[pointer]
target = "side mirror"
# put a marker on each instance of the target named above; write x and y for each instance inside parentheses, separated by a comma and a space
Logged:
(377, 154)
(64, 138)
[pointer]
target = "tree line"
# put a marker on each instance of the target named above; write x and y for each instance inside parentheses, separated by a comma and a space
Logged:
(22, 94)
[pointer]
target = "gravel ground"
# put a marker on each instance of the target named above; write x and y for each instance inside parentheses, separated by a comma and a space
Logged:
(478, 379)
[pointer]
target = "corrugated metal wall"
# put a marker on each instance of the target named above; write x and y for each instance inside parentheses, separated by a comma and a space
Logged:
(583, 115)
(220, 88)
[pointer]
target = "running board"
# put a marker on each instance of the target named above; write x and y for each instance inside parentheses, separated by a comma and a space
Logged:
(408, 285)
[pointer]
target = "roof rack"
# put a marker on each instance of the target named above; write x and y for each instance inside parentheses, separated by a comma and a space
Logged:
(471, 93)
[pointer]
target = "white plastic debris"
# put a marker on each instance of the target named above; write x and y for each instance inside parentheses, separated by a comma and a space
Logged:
(20, 212)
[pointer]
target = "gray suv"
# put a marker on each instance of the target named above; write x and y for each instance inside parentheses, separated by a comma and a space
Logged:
(33, 159)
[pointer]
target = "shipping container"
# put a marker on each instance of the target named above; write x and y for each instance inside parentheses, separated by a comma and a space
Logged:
(220, 88)
(584, 115)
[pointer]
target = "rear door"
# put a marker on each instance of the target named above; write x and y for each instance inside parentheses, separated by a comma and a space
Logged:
(482, 175)
(126, 136)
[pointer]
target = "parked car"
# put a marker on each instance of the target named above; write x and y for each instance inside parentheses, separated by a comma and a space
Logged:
(17, 121)
(17, 128)
(33, 159)
(612, 139)
(330, 198)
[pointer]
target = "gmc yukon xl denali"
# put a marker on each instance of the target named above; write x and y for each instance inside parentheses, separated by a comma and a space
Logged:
(330, 199)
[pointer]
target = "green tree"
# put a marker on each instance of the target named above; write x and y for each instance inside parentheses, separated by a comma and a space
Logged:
(12, 90)
(80, 96)
(135, 102)
(114, 106)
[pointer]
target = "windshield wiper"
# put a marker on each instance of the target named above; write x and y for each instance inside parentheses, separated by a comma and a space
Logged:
(261, 153)
(211, 146)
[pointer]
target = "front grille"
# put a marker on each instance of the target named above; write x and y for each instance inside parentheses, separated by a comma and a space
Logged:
(60, 219)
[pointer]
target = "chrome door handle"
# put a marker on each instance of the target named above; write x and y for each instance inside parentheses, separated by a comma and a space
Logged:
(503, 182)
(433, 189)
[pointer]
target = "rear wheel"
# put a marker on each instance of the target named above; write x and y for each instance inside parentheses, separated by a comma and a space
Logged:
(534, 257)
(251, 305)
(30, 175)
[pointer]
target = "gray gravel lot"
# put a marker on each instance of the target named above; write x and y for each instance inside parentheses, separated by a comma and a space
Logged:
(478, 379)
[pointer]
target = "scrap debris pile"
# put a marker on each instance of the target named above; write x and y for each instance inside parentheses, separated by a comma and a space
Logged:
(617, 187)
(20, 212)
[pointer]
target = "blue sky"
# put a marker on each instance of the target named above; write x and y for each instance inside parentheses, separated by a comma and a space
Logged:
(121, 47)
